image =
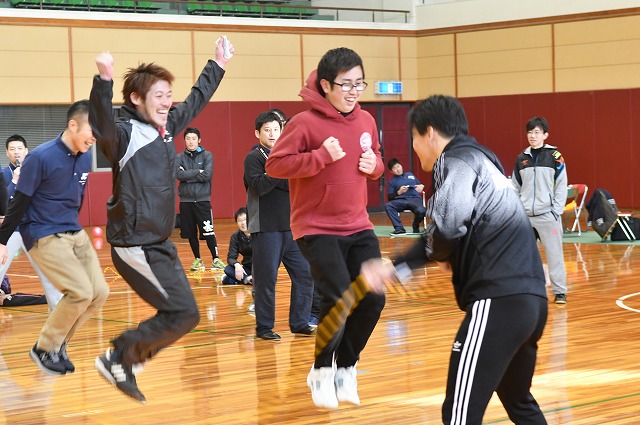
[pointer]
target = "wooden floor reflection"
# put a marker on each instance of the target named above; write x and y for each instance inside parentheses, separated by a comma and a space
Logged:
(588, 369)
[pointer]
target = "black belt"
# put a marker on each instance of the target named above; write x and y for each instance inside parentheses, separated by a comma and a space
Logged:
(68, 232)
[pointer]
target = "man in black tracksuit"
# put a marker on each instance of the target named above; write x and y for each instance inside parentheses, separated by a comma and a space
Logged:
(141, 211)
(195, 172)
(269, 210)
(480, 231)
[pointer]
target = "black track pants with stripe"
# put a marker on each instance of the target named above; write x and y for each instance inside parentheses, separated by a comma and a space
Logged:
(155, 273)
(495, 350)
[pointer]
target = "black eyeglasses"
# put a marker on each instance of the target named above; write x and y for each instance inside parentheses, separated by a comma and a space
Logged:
(346, 87)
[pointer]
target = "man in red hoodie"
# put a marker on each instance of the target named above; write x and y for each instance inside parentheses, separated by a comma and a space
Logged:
(328, 153)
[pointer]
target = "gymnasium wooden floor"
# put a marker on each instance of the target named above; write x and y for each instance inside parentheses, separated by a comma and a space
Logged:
(588, 366)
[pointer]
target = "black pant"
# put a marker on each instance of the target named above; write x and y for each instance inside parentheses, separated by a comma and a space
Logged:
(155, 273)
(335, 262)
(495, 350)
(269, 249)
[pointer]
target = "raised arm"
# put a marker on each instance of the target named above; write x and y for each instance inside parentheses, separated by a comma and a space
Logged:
(206, 85)
(101, 109)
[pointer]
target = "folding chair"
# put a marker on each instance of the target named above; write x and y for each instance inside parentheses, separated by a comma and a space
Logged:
(576, 196)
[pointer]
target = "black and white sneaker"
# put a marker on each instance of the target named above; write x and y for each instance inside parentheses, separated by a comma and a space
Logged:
(65, 359)
(119, 375)
(48, 361)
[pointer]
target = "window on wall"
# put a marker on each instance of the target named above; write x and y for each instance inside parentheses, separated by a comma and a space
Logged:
(39, 124)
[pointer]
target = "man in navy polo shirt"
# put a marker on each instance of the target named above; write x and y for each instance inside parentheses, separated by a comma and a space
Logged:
(16, 152)
(45, 205)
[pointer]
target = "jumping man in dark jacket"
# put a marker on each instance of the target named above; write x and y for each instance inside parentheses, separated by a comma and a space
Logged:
(141, 211)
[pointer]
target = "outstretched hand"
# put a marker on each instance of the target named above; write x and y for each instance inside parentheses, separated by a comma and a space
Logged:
(220, 57)
(104, 62)
(377, 272)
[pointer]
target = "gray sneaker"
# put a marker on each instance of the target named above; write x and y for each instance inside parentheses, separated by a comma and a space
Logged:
(48, 361)
(561, 299)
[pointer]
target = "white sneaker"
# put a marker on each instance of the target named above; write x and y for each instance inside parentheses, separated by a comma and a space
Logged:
(347, 385)
(323, 390)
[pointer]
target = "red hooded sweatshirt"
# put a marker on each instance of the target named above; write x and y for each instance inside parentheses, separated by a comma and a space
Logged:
(326, 197)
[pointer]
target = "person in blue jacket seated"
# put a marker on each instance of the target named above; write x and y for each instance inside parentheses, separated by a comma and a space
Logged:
(405, 193)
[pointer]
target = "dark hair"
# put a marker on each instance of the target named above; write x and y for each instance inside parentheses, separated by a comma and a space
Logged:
(537, 122)
(139, 80)
(241, 210)
(281, 116)
(81, 107)
(266, 117)
(337, 61)
(444, 113)
(192, 130)
(15, 138)
(392, 162)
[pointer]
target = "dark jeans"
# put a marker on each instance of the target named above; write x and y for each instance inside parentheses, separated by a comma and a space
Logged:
(155, 273)
(335, 262)
(395, 207)
(229, 277)
(269, 250)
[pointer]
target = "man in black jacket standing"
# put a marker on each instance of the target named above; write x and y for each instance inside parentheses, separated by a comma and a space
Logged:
(479, 231)
(195, 172)
(141, 211)
(269, 211)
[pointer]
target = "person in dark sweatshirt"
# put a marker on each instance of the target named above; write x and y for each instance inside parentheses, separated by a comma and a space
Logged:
(141, 211)
(480, 232)
(329, 153)
(195, 172)
(268, 222)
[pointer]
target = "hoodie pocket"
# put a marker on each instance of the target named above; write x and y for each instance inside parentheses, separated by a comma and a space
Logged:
(342, 202)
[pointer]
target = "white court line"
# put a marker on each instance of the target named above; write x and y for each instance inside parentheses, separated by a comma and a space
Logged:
(621, 304)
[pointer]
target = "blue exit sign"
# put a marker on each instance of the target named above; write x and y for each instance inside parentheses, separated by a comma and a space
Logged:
(388, 87)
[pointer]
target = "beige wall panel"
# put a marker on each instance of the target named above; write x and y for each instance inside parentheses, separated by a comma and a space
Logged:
(175, 55)
(369, 49)
(34, 39)
(34, 64)
(436, 65)
(410, 89)
(409, 47)
(148, 43)
(84, 66)
(505, 61)
(598, 54)
(501, 84)
(38, 90)
(265, 66)
(437, 45)
(258, 90)
(409, 68)
(599, 30)
(443, 66)
(429, 86)
(381, 69)
(504, 39)
(598, 78)
(248, 44)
